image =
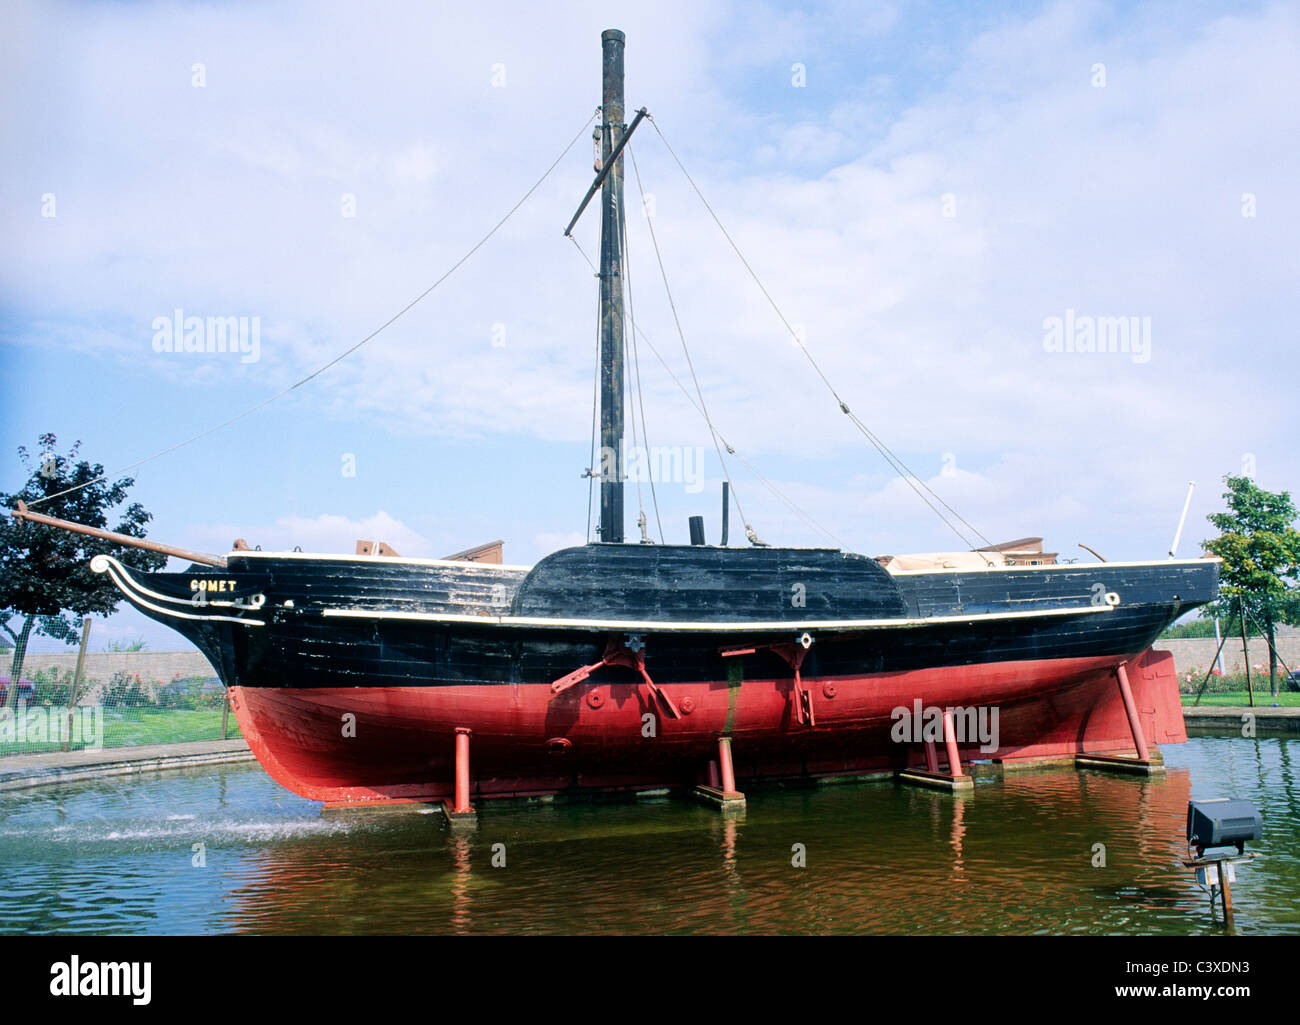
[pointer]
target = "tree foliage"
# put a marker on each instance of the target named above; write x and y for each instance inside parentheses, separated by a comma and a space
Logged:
(45, 575)
(1260, 549)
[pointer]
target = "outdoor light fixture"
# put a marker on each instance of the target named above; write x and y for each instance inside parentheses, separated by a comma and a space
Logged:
(1220, 822)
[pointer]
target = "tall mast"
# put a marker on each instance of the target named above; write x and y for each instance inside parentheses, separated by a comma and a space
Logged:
(611, 293)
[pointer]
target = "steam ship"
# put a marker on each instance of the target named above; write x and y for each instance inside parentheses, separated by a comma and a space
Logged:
(629, 666)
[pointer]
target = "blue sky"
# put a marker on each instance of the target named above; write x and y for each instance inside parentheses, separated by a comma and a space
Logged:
(946, 179)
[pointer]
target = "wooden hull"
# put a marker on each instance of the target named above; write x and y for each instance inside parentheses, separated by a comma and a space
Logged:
(351, 677)
(524, 742)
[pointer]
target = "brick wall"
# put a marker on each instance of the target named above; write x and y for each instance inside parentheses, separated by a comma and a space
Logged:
(1193, 653)
(151, 666)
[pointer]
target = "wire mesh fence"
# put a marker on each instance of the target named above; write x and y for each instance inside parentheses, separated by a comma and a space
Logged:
(1234, 688)
(50, 713)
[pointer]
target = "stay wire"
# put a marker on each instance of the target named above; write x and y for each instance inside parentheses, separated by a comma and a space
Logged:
(910, 478)
(347, 352)
(749, 530)
(636, 366)
(731, 450)
(595, 400)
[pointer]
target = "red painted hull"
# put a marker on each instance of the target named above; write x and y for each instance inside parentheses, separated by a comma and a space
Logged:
(591, 738)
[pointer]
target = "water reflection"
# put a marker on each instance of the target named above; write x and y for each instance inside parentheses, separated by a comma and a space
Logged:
(460, 846)
(1018, 855)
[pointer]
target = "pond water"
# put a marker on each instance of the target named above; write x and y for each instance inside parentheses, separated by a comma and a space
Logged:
(225, 849)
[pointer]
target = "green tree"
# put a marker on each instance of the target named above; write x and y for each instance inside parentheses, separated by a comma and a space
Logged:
(1260, 549)
(45, 578)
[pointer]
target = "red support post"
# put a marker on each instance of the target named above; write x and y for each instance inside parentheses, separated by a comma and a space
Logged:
(462, 804)
(721, 789)
(724, 764)
(950, 742)
(1130, 707)
(931, 757)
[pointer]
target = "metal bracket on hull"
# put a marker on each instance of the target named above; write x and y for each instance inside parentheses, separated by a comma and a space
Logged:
(620, 653)
(794, 654)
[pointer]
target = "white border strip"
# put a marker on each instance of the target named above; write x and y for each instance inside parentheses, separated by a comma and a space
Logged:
(720, 627)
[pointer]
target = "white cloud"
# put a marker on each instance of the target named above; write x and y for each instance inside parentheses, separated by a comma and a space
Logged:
(1115, 201)
(546, 542)
(327, 533)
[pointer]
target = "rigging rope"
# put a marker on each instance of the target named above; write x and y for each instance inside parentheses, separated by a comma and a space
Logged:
(640, 498)
(636, 366)
(911, 479)
(789, 503)
(749, 530)
(347, 352)
(620, 242)
(595, 401)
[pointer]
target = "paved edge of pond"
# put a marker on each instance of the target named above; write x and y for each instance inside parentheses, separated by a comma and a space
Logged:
(19, 772)
(1267, 718)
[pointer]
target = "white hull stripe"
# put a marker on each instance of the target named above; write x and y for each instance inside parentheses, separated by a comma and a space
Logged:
(722, 627)
(139, 588)
(116, 573)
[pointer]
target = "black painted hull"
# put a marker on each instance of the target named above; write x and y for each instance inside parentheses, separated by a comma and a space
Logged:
(438, 646)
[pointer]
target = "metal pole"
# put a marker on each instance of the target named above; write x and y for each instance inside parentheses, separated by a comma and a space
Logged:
(726, 512)
(724, 764)
(76, 679)
(1218, 655)
(950, 742)
(1191, 486)
(462, 773)
(1130, 707)
(611, 292)
(1226, 891)
(1273, 648)
(1245, 657)
(225, 712)
(931, 757)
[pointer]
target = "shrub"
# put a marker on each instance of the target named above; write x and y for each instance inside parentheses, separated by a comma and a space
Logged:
(1229, 681)
(126, 691)
(53, 687)
(184, 693)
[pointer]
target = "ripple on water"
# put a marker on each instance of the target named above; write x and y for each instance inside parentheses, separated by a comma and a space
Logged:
(1017, 856)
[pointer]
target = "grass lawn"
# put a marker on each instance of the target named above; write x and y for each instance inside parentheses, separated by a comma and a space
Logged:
(128, 727)
(132, 727)
(1287, 698)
